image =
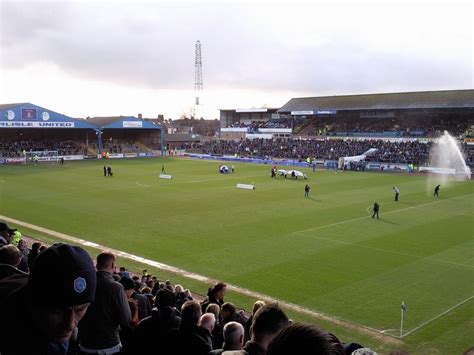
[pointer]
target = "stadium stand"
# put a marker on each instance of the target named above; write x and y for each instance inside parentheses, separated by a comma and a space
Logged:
(393, 152)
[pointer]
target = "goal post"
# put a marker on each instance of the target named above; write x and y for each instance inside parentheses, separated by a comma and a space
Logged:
(42, 156)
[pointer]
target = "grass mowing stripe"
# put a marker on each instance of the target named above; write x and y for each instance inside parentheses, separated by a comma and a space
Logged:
(194, 276)
(365, 217)
(384, 250)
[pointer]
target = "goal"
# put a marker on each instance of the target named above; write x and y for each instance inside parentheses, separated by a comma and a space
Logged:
(42, 156)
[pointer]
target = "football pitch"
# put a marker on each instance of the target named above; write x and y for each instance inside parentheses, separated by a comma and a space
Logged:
(323, 253)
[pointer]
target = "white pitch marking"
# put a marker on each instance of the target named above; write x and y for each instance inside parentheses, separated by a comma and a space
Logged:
(142, 185)
(437, 316)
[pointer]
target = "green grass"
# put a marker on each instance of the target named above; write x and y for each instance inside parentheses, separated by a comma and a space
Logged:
(322, 253)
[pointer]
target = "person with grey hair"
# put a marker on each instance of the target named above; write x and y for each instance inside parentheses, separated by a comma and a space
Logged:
(207, 321)
(217, 333)
(233, 340)
(190, 337)
(206, 325)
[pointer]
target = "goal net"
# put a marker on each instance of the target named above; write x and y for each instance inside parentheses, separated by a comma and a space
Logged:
(42, 156)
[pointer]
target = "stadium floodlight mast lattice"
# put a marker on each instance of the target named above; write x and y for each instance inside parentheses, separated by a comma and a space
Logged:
(197, 75)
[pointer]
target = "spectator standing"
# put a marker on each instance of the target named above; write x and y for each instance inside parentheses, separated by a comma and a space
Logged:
(99, 329)
(301, 338)
(161, 326)
(215, 295)
(248, 323)
(217, 332)
(190, 338)
(267, 323)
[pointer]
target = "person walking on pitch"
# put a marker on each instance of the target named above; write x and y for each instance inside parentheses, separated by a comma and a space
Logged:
(436, 191)
(306, 190)
(376, 210)
(396, 191)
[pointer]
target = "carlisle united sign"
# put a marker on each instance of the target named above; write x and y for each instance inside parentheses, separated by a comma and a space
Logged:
(22, 124)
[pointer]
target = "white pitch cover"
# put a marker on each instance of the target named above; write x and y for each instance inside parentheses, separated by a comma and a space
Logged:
(246, 186)
(164, 176)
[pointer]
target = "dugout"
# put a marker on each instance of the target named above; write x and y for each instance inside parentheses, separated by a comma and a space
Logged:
(24, 122)
(132, 134)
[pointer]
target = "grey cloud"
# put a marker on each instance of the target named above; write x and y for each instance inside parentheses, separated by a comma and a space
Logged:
(153, 46)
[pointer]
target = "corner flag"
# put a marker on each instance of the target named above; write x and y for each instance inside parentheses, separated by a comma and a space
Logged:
(404, 310)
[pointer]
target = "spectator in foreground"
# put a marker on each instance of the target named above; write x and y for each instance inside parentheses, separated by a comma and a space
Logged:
(190, 338)
(41, 315)
(206, 324)
(230, 314)
(10, 255)
(233, 340)
(267, 322)
(308, 339)
(248, 323)
(217, 332)
(99, 329)
(161, 326)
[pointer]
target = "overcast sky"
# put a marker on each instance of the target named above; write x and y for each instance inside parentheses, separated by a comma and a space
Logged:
(110, 58)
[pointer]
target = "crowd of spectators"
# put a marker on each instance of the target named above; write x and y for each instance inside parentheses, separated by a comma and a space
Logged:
(64, 304)
(393, 152)
(11, 148)
(255, 125)
(406, 126)
(116, 146)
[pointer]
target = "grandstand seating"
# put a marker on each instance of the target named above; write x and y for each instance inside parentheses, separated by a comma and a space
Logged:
(392, 152)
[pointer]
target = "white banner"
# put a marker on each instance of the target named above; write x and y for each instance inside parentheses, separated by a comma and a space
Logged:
(132, 124)
(130, 155)
(115, 156)
(19, 124)
(301, 113)
(234, 129)
(246, 186)
(438, 170)
(274, 130)
(72, 157)
(15, 160)
(243, 110)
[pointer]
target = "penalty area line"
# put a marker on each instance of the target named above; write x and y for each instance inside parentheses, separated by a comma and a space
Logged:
(388, 338)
